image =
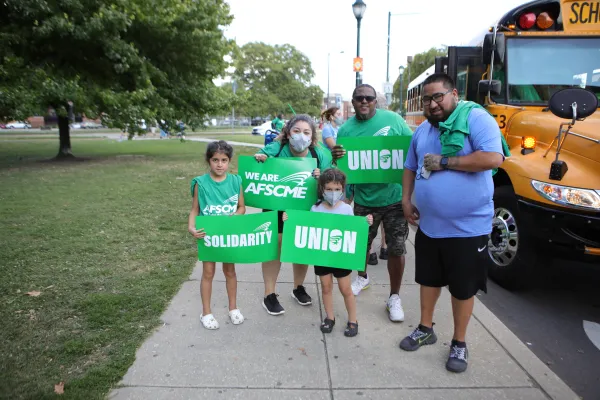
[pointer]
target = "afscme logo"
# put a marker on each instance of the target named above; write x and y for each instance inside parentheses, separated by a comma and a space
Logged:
(273, 189)
(233, 199)
(263, 228)
(383, 131)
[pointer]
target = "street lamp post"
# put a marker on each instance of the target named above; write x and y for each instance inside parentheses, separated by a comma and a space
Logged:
(401, 70)
(328, 56)
(390, 15)
(358, 8)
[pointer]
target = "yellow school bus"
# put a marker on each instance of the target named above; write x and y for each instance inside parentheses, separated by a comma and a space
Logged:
(547, 193)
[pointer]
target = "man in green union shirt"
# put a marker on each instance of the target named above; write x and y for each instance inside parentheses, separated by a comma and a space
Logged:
(383, 201)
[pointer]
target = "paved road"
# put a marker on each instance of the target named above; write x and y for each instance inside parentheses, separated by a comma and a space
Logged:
(549, 319)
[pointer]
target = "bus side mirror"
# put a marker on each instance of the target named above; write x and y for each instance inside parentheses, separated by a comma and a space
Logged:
(494, 87)
(488, 48)
(573, 103)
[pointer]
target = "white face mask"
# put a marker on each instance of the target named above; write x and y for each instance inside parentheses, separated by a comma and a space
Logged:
(300, 142)
(332, 196)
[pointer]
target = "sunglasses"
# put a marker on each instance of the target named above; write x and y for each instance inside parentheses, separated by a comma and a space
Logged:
(360, 99)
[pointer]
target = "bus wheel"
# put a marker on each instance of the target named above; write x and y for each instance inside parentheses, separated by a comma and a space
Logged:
(512, 259)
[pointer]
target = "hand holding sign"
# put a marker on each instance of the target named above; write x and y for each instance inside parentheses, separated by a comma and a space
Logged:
(260, 157)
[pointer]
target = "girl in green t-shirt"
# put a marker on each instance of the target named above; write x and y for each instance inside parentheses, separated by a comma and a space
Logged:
(217, 193)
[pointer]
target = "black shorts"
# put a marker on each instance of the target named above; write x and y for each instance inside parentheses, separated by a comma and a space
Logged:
(279, 220)
(337, 272)
(459, 263)
(395, 226)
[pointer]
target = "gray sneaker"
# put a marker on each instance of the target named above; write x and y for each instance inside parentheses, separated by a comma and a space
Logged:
(458, 358)
(418, 338)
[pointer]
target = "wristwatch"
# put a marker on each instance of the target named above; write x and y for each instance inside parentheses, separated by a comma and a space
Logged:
(444, 162)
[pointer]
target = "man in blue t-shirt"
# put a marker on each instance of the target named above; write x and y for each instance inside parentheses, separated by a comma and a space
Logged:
(454, 194)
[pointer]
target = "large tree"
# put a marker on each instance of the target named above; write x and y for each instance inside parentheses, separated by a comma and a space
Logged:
(122, 60)
(420, 63)
(271, 77)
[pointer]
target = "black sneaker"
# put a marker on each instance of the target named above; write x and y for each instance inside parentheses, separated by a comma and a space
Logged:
(419, 337)
(373, 259)
(271, 304)
(458, 358)
(300, 295)
(383, 254)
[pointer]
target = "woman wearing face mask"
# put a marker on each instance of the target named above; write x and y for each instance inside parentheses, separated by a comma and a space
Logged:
(298, 139)
(334, 119)
(332, 185)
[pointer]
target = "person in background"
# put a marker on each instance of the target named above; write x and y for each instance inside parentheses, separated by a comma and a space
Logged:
(332, 119)
(382, 200)
(278, 123)
(449, 166)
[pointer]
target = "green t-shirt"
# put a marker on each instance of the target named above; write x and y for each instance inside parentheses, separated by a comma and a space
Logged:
(278, 124)
(383, 123)
(323, 154)
(217, 198)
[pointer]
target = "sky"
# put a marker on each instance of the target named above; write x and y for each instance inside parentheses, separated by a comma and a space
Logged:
(319, 27)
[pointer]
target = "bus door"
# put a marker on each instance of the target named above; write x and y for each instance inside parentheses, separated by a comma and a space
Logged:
(466, 68)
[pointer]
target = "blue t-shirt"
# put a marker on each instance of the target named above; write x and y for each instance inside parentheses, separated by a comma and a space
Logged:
(455, 203)
(329, 132)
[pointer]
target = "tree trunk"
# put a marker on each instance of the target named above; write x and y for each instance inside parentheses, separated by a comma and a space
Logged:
(64, 147)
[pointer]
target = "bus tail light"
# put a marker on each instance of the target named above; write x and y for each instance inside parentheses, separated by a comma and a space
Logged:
(544, 21)
(527, 20)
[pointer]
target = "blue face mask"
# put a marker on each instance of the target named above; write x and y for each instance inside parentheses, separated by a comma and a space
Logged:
(339, 121)
(332, 197)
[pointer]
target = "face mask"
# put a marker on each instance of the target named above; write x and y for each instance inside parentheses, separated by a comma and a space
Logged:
(339, 121)
(299, 142)
(332, 197)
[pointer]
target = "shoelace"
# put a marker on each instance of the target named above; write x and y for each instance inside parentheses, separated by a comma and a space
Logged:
(395, 305)
(458, 352)
(417, 334)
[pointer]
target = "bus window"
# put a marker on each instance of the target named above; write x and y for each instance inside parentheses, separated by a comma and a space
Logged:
(461, 82)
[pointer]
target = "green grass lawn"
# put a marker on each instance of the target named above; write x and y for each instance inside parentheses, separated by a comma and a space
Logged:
(105, 242)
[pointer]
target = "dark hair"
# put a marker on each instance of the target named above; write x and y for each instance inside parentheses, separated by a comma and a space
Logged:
(220, 146)
(446, 80)
(328, 176)
(362, 86)
(330, 112)
(290, 124)
(280, 116)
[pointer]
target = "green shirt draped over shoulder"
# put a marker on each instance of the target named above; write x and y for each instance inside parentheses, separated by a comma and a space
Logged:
(323, 154)
(383, 123)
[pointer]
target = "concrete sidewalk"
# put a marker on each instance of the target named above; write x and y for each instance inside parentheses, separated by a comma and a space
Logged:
(287, 357)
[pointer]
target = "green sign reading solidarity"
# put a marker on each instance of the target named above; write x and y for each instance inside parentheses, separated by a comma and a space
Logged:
(329, 240)
(246, 238)
(278, 183)
(377, 159)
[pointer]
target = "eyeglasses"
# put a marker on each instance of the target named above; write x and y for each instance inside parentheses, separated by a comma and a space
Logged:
(437, 97)
(360, 99)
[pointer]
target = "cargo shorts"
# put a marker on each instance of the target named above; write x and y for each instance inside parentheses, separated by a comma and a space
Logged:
(395, 226)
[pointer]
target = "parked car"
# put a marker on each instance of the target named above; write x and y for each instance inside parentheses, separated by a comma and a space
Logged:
(262, 129)
(256, 121)
(18, 125)
(91, 125)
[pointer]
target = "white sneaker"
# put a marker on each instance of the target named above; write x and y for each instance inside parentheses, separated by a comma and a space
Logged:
(209, 321)
(359, 284)
(236, 316)
(394, 307)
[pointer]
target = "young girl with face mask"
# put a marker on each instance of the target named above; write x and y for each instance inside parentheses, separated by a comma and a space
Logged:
(332, 186)
(298, 139)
